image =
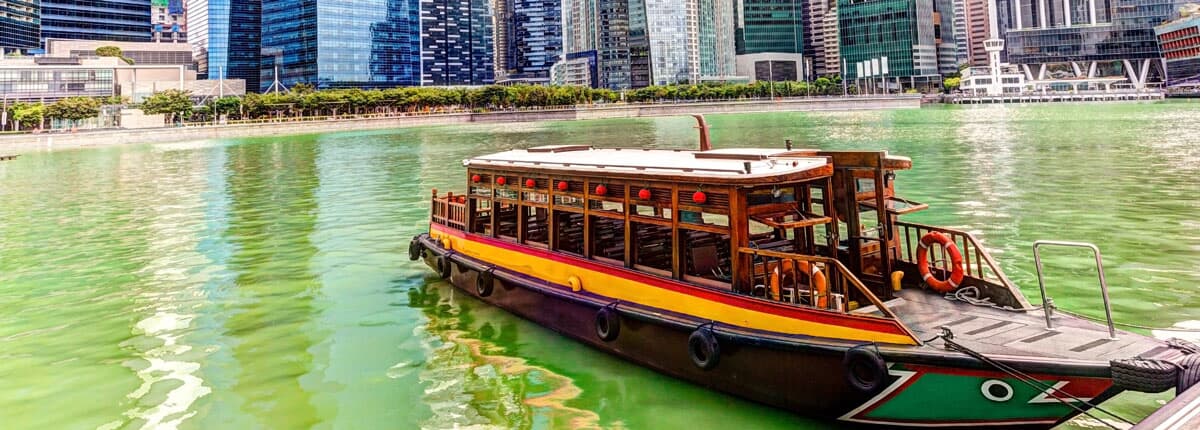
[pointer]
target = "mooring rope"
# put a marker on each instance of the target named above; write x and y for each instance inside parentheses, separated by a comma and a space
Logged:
(946, 337)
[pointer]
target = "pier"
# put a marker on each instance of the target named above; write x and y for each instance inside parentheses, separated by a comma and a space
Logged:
(1081, 96)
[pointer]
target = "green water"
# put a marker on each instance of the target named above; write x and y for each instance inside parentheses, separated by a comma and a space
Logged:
(263, 283)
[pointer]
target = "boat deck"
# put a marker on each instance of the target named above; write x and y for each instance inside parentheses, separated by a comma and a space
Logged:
(996, 331)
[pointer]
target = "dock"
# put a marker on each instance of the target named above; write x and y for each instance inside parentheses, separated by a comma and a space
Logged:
(1181, 413)
(1050, 97)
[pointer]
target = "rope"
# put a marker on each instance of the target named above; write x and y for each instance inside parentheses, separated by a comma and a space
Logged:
(946, 337)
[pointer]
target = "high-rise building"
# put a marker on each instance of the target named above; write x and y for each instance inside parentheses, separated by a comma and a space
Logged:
(226, 39)
(20, 25)
(1094, 38)
(714, 36)
(829, 26)
(529, 38)
(456, 42)
(1180, 43)
(169, 23)
(944, 37)
(340, 43)
(117, 20)
(976, 30)
(771, 26)
(895, 44)
(814, 34)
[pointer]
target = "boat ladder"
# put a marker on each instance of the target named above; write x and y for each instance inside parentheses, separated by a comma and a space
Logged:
(1048, 303)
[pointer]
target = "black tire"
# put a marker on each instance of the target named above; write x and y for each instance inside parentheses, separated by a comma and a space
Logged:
(865, 370)
(1146, 376)
(608, 324)
(414, 250)
(704, 349)
(484, 283)
(1189, 375)
(443, 266)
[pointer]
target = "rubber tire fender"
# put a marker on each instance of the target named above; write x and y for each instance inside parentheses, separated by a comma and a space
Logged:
(484, 283)
(443, 266)
(864, 369)
(608, 324)
(414, 250)
(704, 349)
(1145, 376)
(1189, 374)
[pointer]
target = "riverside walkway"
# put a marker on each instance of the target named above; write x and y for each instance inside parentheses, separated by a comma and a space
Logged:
(1050, 97)
(1181, 413)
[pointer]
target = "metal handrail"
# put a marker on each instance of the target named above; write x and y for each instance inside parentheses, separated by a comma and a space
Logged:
(980, 253)
(1046, 302)
(829, 263)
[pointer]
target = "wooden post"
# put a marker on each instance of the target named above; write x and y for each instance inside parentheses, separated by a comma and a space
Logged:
(739, 237)
(587, 218)
(678, 249)
(629, 245)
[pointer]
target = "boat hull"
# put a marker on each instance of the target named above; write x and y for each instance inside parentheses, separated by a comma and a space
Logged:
(802, 374)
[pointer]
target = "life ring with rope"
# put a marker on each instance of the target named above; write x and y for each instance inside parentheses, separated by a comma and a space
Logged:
(819, 282)
(956, 262)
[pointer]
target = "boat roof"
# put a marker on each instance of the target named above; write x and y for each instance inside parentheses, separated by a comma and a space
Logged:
(727, 164)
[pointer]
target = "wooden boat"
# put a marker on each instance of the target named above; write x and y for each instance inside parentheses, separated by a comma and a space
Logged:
(774, 275)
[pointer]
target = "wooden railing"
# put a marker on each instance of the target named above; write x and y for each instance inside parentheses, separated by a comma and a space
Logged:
(977, 263)
(450, 210)
(839, 280)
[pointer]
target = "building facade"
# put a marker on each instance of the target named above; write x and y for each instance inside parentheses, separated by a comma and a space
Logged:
(116, 20)
(1093, 38)
(456, 42)
(771, 26)
(529, 38)
(976, 29)
(142, 53)
(20, 25)
(226, 39)
(891, 45)
(1180, 44)
(829, 26)
(169, 21)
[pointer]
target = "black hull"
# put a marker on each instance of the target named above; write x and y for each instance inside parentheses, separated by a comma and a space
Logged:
(802, 375)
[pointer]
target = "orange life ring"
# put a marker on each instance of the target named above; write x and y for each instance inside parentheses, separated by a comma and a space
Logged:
(956, 262)
(819, 283)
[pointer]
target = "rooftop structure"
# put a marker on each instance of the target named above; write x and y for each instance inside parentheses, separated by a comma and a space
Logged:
(1180, 44)
(142, 53)
(48, 79)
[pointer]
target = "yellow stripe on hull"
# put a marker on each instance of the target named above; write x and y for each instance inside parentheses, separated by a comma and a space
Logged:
(627, 290)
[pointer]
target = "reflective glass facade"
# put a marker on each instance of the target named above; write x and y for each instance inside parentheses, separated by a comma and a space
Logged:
(534, 38)
(668, 41)
(879, 28)
(456, 42)
(225, 38)
(771, 26)
(1180, 44)
(51, 83)
(20, 24)
(120, 20)
(340, 43)
(1122, 29)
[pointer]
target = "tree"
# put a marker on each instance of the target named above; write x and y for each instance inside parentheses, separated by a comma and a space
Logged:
(74, 109)
(227, 105)
(951, 84)
(113, 51)
(170, 103)
(27, 113)
(302, 88)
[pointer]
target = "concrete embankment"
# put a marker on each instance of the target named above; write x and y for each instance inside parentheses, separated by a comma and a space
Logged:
(56, 141)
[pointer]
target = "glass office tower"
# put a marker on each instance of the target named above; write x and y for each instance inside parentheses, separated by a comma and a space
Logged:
(225, 36)
(117, 20)
(339, 43)
(874, 29)
(1092, 30)
(20, 24)
(534, 39)
(456, 42)
(771, 26)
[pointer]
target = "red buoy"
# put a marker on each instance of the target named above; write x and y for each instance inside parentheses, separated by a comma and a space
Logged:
(530, 183)
(500, 180)
(699, 197)
(601, 190)
(476, 178)
(563, 185)
(644, 194)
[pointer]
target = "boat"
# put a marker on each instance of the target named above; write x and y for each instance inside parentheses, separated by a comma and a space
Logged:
(784, 276)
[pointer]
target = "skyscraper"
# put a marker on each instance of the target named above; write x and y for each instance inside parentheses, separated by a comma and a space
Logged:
(168, 21)
(529, 37)
(225, 36)
(20, 24)
(340, 43)
(905, 41)
(976, 30)
(456, 42)
(117, 20)
(772, 26)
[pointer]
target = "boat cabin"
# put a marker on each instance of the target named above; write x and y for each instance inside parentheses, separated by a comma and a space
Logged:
(801, 227)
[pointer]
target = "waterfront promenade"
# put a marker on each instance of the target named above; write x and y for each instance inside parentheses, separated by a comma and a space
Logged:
(291, 126)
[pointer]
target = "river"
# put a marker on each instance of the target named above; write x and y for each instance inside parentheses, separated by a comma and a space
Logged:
(263, 283)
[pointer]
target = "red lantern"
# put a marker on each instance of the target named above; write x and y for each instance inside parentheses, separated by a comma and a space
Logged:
(644, 194)
(530, 183)
(601, 190)
(563, 185)
(500, 180)
(699, 197)
(476, 178)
